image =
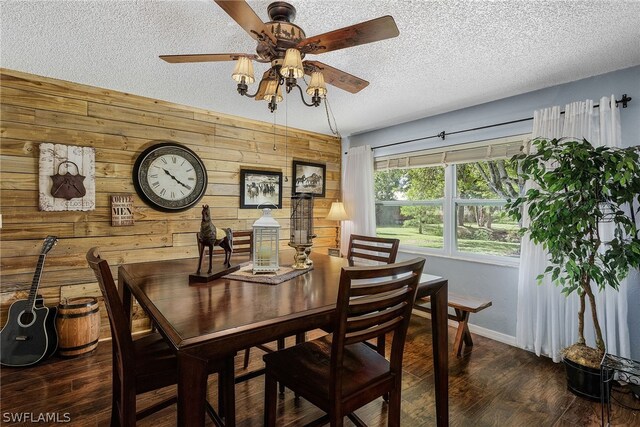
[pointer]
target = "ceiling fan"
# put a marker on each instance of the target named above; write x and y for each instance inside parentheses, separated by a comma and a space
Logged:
(283, 44)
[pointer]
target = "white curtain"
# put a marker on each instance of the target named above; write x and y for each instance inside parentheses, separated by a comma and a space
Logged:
(547, 320)
(358, 195)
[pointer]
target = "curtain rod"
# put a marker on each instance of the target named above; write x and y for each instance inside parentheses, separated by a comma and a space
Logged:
(624, 101)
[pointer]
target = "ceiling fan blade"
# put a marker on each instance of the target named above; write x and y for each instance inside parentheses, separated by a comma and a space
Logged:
(247, 18)
(205, 57)
(362, 33)
(335, 77)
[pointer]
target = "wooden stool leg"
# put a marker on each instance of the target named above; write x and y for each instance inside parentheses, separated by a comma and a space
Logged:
(229, 393)
(247, 354)
(462, 332)
(281, 347)
(382, 345)
(300, 338)
(270, 401)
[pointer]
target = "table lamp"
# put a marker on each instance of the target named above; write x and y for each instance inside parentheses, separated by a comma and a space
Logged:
(337, 213)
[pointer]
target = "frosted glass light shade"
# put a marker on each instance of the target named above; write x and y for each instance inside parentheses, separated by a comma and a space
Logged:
(292, 64)
(317, 83)
(244, 68)
(270, 91)
(337, 212)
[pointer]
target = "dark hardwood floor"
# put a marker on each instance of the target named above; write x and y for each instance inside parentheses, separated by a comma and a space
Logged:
(495, 385)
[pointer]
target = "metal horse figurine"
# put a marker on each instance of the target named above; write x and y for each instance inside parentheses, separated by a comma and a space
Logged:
(208, 237)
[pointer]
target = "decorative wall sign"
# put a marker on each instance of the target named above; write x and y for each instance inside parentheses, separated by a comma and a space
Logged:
(67, 178)
(121, 210)
(309, 178)
(260, 188)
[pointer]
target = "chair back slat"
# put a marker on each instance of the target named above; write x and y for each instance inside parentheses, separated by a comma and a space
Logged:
(242, 243)
(370, 248)
(377, 287)
(383, 328)
(373, 319)
(375, 303)
(373, 247)
(365, 311)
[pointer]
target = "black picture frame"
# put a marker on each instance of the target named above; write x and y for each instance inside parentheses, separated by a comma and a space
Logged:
(260, 188)
(302, 182)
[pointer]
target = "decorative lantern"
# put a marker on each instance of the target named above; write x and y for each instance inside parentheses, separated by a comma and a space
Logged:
(301, 228)
(266, 236)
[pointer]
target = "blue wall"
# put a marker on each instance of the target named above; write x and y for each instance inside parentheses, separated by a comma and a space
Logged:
(500, 283)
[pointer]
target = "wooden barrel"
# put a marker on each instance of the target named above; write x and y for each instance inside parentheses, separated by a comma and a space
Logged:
(78, 324)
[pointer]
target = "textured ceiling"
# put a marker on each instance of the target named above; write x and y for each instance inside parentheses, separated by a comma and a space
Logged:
(449, 55)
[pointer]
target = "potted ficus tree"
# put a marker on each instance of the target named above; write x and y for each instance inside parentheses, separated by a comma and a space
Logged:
(582, 190)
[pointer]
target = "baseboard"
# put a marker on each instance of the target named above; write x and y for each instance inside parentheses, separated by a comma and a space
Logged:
(479, 330)
(494, 335)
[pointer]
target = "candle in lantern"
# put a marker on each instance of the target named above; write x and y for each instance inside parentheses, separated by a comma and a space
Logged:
(300, 236)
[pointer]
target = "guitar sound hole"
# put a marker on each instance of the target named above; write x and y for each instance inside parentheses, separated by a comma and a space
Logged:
(26, 319)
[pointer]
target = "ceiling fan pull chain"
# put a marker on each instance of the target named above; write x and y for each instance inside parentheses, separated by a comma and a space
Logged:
(327, 108)
(286, 134)
(274, 131)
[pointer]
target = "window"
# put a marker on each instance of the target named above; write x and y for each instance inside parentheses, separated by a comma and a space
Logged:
(409, 206)
(455, 208)
(481, 225)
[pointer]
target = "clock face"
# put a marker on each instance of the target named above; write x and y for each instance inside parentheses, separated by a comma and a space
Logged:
(170, 177)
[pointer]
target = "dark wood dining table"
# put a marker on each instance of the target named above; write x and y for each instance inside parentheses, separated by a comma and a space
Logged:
(204, 322)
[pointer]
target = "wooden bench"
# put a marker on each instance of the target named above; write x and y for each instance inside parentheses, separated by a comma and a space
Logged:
(463, 307)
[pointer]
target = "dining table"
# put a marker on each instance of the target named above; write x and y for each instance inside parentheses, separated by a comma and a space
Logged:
(211, 321)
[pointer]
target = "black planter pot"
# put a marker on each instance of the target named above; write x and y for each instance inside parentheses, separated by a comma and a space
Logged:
(584, 381)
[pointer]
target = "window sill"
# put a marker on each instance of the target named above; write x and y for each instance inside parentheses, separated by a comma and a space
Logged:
(480, 259)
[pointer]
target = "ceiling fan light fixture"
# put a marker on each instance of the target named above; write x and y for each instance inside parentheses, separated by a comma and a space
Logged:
(273, 90)
(292, 64)
(317, 84)
(243, 70)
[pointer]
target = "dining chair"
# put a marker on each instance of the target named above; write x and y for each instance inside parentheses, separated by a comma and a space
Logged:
(242, 243)
(339, 373)
(368, 248)
(147, 363)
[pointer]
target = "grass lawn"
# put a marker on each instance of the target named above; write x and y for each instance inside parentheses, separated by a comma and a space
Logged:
(410, 236)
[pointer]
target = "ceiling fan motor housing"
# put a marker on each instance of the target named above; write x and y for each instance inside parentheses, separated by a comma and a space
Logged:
(281, 11)
(287, 34)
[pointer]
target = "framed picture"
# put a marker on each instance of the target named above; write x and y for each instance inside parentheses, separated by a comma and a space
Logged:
(260, 188)
(309, 178)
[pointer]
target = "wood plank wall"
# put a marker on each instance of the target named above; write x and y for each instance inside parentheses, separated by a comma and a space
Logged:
(119, 125)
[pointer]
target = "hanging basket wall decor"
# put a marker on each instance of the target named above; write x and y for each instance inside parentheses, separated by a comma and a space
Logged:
(66, 178)
(67, 186)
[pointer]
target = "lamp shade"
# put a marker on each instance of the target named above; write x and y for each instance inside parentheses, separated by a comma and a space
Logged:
(337, 212)
(317, 83)
(292, 64)
(244, 68)
(273, 89)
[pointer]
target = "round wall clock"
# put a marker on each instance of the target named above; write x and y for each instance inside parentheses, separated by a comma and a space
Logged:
(169, 177)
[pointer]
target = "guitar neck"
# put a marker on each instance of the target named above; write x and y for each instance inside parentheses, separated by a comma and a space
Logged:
(35, 283)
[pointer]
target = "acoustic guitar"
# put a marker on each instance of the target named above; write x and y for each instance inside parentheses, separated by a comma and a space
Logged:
(29, 335)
